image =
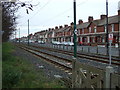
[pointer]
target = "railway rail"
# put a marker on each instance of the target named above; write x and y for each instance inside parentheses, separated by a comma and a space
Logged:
(97, 58)
(63, 63)
(58, 61)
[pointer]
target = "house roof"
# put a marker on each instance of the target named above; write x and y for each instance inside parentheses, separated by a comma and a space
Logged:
(99, 22)
(83, 25)
(111, 20)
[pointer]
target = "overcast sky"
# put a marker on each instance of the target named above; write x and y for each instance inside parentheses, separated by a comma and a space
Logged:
(50, 13)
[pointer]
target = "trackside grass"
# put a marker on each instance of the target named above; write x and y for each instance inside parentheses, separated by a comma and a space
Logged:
(19, 73)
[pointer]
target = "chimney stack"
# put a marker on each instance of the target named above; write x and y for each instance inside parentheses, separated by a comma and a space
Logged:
(56, 27)
(80, 21)
(71, 23)
(60, 27)
(90, 18)
(49, 29)
(52, 28)
(103, 16)
(118, 12)
(65, 25)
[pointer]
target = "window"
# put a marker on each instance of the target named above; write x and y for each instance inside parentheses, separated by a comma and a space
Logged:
(112, 27)
(105, 28)
(95, 29)
(82, 31)
(89, 29)
(103, 39)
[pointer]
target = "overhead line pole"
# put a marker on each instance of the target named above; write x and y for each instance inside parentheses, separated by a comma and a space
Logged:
(107, 32)
(28, 32)
(19, 35)
(75, 31)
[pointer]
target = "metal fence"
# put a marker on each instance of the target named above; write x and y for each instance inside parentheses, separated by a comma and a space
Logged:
(85, 49)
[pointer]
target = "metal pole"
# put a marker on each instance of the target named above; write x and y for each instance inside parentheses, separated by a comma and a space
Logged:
(75, 31)
(28, 32)
(19, 35)
(107, 43)
(15, 37)
(110, 52)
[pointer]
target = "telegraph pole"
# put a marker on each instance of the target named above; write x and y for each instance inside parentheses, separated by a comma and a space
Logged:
(28, 32)
(75, 30)
(107, 42)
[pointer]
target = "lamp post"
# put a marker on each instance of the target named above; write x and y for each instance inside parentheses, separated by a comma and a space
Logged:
(75, 30)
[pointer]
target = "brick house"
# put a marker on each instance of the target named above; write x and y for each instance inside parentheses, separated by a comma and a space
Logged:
(40, 36)
(91, 33)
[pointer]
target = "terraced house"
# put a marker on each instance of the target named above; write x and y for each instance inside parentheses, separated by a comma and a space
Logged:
(92, 32)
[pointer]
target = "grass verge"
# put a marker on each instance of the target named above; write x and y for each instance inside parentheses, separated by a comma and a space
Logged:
(19, 73)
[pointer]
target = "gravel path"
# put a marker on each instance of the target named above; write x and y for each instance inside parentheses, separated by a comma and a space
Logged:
(40, 64)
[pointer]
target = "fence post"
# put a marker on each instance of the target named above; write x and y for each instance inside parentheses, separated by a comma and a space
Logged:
(97, 49)
(88, 49)
(82, 49)
(109, 71)
(73, 72)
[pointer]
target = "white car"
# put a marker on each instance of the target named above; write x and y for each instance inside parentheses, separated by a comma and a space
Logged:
(55, 42)
(42, 42)
(68, 43)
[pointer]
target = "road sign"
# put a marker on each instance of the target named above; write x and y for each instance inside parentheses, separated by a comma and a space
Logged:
(110, 37)
(75, 31)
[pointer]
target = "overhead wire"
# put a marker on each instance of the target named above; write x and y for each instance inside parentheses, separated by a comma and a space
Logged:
(55, 17)
(40, 9)
(37, 11)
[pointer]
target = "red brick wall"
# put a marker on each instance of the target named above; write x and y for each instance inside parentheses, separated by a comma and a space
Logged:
(116, 27)
(100, 29)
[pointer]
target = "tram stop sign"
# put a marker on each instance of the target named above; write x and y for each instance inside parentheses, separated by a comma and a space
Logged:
(110, 38)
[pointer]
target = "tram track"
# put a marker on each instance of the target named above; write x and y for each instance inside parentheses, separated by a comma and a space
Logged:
(63, 63)
(115, 61)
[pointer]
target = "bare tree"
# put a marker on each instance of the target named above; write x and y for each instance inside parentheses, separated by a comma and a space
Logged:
(9, 18)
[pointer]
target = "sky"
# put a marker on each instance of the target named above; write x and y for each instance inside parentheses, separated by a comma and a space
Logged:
(50, 13)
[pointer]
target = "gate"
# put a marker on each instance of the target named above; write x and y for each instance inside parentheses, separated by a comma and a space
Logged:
(85, 76)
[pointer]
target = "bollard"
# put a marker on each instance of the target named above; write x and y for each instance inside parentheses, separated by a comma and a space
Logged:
(109, 71)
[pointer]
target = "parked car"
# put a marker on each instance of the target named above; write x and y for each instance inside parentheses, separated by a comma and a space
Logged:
(41, 42)
(55, 42)
(70, 43)
(67, 43)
